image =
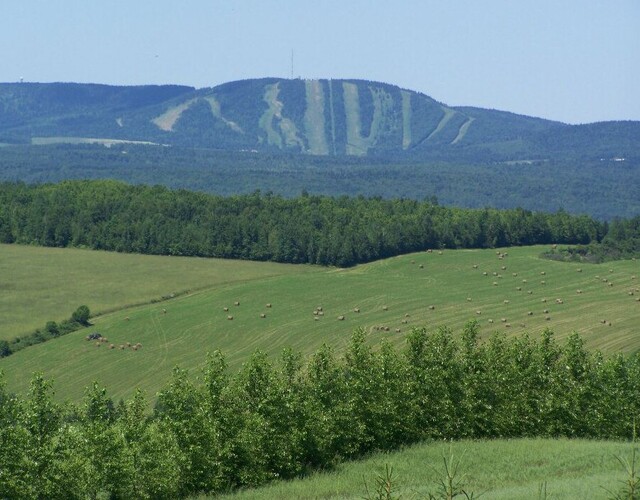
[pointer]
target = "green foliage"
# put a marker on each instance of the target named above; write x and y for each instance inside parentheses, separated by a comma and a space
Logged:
(79, 319)
(384, 485)
(451, 480)
(604, 190)
(343, 231)
(81, 315)
(271, 420)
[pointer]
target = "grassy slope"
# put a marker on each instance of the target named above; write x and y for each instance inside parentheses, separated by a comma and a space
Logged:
(196, 323)
(499, 470)
(42, 284)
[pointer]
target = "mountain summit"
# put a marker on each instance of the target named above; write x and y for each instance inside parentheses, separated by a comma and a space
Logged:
(318, 117)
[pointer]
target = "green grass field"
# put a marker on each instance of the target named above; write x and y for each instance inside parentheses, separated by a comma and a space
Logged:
(496, 470)
(47, 284)
(425, 289)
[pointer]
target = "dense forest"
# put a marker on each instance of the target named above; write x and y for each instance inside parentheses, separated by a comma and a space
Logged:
(601, 189)
(343, 231)
(283, 419)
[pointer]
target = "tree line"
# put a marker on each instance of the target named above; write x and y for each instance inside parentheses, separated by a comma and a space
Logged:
(340, 231)
(278, 420)
(601, 189)
(79, 319)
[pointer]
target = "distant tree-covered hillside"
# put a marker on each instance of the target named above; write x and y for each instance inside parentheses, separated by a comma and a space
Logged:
(319, 117)
(602, 189)
(340, 231)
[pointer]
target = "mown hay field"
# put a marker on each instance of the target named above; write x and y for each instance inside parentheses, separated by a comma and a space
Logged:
(506, 293)
(40, 284)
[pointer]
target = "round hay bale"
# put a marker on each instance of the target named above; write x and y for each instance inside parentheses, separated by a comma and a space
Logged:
(478, 312)
(507, 325)
(229, 317)
(121, 346)
(126, 318)
(421, 266)
(440, 252)
(128, 344)
(225, 309)
(524, 281)
(468, 299)
(519, 288)
(543, 273)
(530, 292)
(404, 321)
(547, 318)
(341, 318)
(579, 270)
(504, 268)
(495, 283)
(610, 284)
(263, 315)
(495, 273)
(356, 309)
(320, 313)
(164, 311)
(268, 306)
(315, 318)
(98, 344)
(432, 307)
(236, 303)
(112, 346)
(385, 308)
(514, 274)
(484, 273)
(397, 330)
(135, 348)
(504, 320)
(543, 300)
(530, 313)
(490, 321)
(578, 291)
(315, 313)
(406, 315)
(608, 323)
(475, 266)
(319, 308)
(506, 301)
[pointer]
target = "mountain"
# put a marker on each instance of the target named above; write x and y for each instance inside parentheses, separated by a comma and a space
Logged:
(317, 117)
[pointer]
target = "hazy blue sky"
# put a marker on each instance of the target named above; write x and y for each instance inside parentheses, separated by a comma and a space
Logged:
(570, 60)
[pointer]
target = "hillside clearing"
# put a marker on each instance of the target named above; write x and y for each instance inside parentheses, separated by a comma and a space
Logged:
(424, 289)
(47, 284)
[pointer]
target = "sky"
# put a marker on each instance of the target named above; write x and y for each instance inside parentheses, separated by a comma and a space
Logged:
(575, 61)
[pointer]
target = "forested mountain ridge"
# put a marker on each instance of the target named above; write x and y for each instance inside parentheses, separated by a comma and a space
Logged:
(318, 117)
